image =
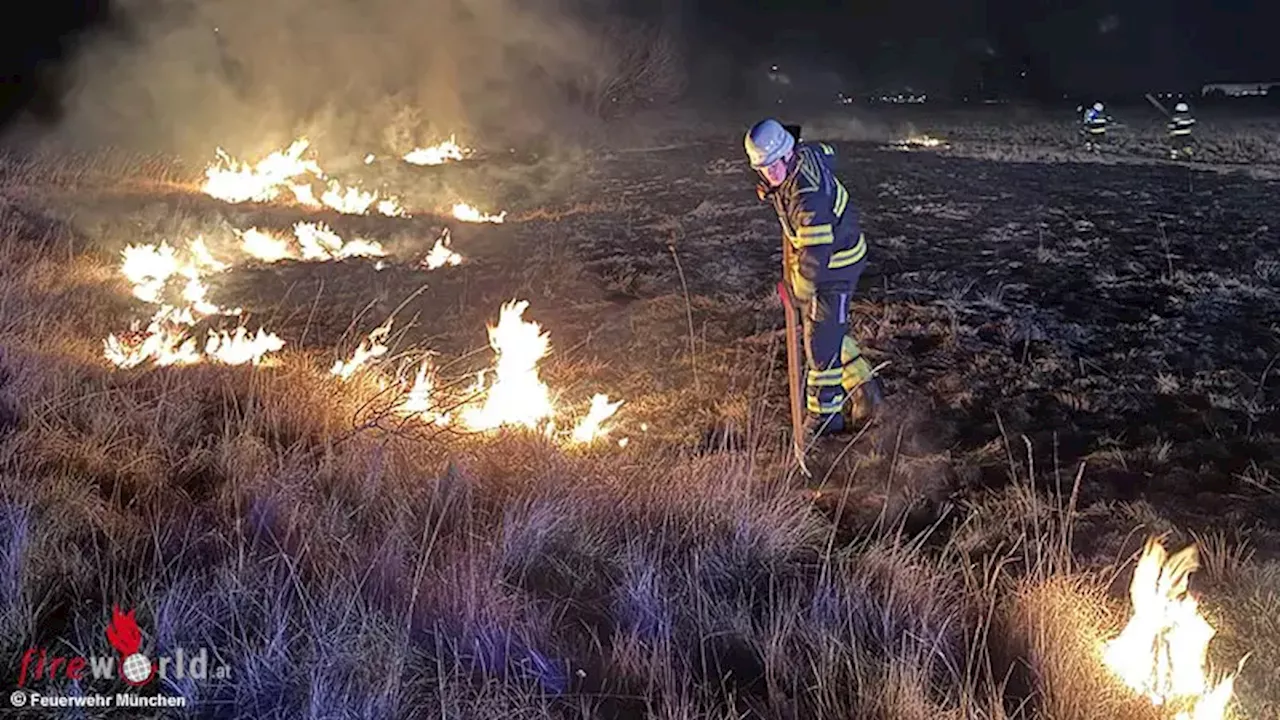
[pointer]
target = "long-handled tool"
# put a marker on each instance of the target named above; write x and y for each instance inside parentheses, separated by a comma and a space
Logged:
(795, 377)
(1159, 107)
(795, 365)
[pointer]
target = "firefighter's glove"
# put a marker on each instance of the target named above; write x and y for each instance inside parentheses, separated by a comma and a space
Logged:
(762, 191)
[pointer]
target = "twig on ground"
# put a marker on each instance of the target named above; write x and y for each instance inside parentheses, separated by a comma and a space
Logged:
(688, 309)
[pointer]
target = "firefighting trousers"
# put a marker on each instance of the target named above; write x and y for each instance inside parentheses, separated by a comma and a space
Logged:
(835, 366)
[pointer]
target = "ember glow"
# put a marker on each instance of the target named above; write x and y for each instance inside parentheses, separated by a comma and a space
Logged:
(917, 141)
(1161, 653)
(924, 141)
(467, 213)
(438, 154)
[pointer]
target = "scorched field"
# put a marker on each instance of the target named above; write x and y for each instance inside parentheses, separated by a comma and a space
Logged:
(479, 433)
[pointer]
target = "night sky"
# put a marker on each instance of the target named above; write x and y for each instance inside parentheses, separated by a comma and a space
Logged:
(1026, 48)
(1110, 46)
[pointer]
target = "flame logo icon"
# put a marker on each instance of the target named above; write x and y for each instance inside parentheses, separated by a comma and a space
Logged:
(126, 638)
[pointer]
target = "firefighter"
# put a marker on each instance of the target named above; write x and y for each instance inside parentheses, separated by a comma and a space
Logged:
(828, 256)
(1180, 131)
(1094, 127)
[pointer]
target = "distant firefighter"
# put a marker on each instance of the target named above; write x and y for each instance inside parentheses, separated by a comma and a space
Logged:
(1094, 127)
(824, 251)
(1180, 124)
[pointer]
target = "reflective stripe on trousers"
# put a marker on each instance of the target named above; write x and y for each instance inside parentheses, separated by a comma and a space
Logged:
(835, 366)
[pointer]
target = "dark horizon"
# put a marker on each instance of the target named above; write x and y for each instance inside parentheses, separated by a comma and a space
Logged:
(1038, 50)
(958, 48)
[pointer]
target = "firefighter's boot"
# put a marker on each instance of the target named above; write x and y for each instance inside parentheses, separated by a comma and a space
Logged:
(860, 384)
(865, 401)
(819, 426)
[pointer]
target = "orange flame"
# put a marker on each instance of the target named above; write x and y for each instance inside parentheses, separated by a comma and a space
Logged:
(1161, 653)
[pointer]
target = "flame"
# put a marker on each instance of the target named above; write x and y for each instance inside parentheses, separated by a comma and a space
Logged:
(589, 428)
(264, 246)
(1161, 653)
(369, 349)
(240, 347)
(320, 242)
(418, 401)
(305, 195)
(467, 213)
(203, 258)
(438, 154)
(441, 254)
(316, 241)
(235, 181)
(354, 201)
(149, 268)
(517, 396)
(166, 340)
(391, 207)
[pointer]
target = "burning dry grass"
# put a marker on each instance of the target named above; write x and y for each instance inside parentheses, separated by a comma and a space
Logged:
(521, 578)
(229, 504)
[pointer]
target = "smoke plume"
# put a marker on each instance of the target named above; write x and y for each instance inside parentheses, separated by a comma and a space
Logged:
(250, 75)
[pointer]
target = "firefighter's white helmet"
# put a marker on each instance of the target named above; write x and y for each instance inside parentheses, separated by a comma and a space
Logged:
(1180, 107)
(1097, 106)
(767, 142)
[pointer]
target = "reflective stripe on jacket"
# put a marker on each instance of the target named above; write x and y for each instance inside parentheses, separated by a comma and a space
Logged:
(1181, 125)
(818, 220)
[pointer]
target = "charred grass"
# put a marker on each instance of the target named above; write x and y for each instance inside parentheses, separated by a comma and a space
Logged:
(1078, 356)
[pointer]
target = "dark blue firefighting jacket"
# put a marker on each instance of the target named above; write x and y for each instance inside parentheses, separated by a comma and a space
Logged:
(1095, 123)
(1180, 125)
(817, 219)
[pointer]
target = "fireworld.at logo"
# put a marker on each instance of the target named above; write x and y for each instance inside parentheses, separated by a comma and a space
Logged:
(133, 667)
